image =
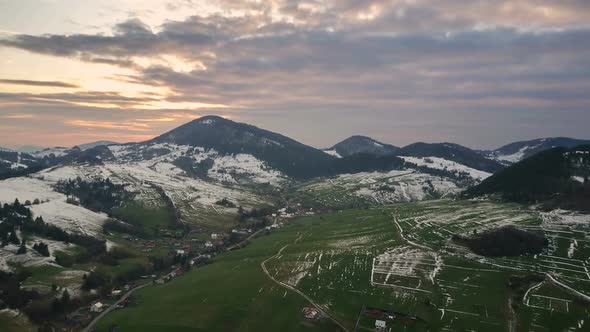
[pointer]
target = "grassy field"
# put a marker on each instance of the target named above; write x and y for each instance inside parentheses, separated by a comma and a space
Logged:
(12, 322)
(230, 294)
(148, 218)
(352, 259)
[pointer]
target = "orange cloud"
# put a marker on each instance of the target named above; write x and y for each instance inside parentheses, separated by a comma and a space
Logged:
(18, 116)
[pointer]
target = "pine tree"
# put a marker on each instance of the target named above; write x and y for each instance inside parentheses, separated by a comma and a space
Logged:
(13, 238)
(22, 249)
(65, 298)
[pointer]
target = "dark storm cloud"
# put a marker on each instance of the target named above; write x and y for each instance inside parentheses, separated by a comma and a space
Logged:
(130, 38)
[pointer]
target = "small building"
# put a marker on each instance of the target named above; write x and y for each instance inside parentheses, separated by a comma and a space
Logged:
(116, 292)
(97, 307)
(380, 325)
(208, 244)
(311, 313)
(180, 252)
(215, 236)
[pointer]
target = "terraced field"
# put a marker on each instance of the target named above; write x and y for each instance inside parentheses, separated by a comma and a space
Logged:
(398, 258)
(364, 189)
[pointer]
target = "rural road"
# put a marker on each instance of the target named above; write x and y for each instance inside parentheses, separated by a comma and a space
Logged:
(317, 306)
(237, 245)
(90, 326)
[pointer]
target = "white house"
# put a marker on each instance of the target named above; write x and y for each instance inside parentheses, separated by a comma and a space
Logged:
(97, 307)
(380, 324)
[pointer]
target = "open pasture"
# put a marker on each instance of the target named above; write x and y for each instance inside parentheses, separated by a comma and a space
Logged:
(397, 258)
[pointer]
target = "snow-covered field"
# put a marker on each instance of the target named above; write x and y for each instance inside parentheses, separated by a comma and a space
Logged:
(70, 217)
(447, 165)
(512, 158)
(142, 170)
(31, 257)
(404, 262)
(381, 188)
(53, 207)
(25, 188)
(227, 168)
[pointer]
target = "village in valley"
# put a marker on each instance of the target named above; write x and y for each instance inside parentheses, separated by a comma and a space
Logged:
(147, 240)
(192, 250)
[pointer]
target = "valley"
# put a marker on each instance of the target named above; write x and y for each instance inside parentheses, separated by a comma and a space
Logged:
(383, 257)
(217, 224)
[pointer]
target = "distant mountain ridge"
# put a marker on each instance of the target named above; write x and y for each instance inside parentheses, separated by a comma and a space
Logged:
(91, 145)
(559, 175)
(293, 159)
(228, 137)
(517, 151)
(12, 160)
(362, 144)
(453, 152)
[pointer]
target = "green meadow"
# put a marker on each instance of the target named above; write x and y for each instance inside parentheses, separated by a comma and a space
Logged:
(353, 259)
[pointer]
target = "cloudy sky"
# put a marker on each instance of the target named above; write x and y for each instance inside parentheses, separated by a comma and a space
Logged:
(480, 73)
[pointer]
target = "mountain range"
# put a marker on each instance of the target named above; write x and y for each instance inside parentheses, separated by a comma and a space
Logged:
(361, 144)
(212, 185)
(289, 157)
(517, 151)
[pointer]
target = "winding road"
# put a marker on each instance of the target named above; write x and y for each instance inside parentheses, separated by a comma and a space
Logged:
(92, 324)
(282, 284)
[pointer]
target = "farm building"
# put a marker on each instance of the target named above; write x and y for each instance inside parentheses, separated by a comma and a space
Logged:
(380, 325)
(97, 307)
(311, 313)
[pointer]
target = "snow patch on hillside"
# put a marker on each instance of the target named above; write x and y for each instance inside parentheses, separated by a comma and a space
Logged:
(561, 217)
(225, 168)
(56, 151)
(53, 208)
(397, 186)
(513, 158)
(70, 218)
(333, 153)
(448, 165)
(25, 188)
(578, 179)
(31, 257)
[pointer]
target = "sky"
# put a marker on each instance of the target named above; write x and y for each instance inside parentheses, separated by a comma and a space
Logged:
(479, 73)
